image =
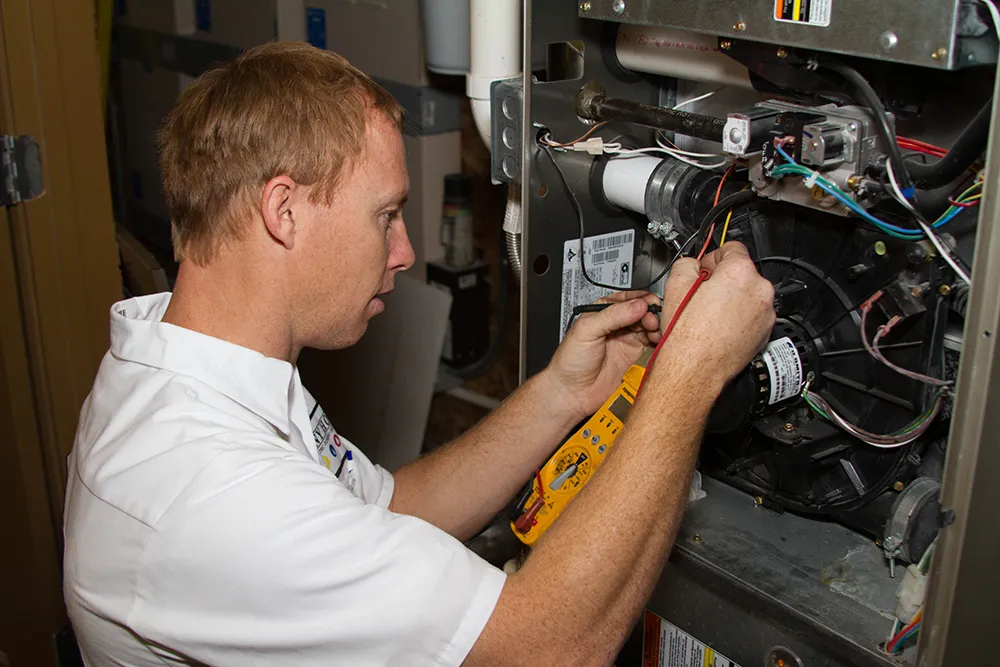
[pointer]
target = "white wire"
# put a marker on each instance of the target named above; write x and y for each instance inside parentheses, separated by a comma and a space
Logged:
(896, 191)
(898, 194)
(944, 252)
(661, 144)
(625, 152)
(697, 99)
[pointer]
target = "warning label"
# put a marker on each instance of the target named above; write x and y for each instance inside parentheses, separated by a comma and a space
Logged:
(785, 367)
(608, 260)
(666, 645)
(803, 12)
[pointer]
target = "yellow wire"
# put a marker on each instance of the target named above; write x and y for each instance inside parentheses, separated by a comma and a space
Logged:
(725, 227)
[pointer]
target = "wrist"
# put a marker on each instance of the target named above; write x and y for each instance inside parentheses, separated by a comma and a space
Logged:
(560, 404)
(678, 371)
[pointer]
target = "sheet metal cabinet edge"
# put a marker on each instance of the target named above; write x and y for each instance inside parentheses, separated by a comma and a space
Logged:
(964, 583)
(898, 31)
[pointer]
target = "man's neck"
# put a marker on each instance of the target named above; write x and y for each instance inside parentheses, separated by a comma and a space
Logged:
(236, 302)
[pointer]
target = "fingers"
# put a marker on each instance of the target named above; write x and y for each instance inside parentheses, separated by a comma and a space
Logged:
(618, 297)
(731, 250)
(619, 315)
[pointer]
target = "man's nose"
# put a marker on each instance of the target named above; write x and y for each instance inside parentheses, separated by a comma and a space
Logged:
(401, 254)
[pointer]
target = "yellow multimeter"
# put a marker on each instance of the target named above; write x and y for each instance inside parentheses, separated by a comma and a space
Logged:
(569, 469)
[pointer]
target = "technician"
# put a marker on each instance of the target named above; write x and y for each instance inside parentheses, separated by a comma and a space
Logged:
(213, 514)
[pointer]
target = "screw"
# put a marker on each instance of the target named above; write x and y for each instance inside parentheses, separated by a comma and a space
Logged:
(852, 127)
(878, 543)
(898, 486)
(543, 190)
(944, 290)
(888, 40)
(725, 45)
(940, 54)
(789, 427)
(782, 53)
(916, 292)
(814, 145)
(618, 6)
(739, 26)
(652, 227)
(696, 537)
(854, 182)
(880, 248)
(758, 501)
(584, 6)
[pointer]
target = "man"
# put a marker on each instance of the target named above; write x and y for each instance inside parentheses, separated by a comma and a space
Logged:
(212, 516)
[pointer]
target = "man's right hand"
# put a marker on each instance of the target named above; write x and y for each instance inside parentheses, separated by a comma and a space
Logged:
(728, 320)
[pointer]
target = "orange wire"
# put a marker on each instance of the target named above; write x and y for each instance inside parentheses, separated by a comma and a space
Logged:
(718, 193)
(581, 137)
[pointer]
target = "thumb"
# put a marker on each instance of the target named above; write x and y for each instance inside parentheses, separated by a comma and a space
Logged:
(616, 316)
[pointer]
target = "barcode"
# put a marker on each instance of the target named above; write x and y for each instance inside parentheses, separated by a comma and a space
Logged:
(615, 241)
(606, 256)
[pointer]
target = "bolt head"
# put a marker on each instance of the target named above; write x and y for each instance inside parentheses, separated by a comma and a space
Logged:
(584, 6)
(739, 26)
(735, 135)
(854, 182)
(916, 292)
(940, 54)
(782, 53)
(944, 290)
(880, 248)
(888, 40)
(789, 427)
(758, 501)
(618, 6)
(725, 45)
(898, 486)
(696, 537)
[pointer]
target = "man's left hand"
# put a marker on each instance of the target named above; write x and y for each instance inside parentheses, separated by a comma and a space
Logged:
(600, 347)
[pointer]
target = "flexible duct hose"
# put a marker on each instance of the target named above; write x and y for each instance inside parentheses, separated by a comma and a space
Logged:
(963, 153)
(512, 229)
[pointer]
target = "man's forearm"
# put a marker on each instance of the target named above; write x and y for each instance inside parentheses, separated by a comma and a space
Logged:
(608, 547)
(463, 485)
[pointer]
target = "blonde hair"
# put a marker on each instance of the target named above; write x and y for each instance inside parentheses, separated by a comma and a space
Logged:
(283, 108)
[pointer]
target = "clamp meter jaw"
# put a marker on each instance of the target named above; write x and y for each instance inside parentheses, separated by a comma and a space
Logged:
(576, 460)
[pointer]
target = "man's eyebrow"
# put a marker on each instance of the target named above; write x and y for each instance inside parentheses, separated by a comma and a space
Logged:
(398, 200)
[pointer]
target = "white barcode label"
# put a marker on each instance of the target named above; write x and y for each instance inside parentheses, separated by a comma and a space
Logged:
(608, 260)
(785, 369)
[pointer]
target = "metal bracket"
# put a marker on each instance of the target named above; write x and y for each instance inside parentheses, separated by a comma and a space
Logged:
(506, 107)
(21, 167)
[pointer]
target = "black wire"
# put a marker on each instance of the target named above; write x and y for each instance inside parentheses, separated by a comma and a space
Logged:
(874, 103)
(598, 307)
(583, 234)
(733, 201)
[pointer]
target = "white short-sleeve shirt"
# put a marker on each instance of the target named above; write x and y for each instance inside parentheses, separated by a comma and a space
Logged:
(214, 516)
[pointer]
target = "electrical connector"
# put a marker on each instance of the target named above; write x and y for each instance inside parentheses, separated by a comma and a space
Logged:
(594, 146)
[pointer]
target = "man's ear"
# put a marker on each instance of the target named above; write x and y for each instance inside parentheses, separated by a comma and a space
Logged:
(276, 207)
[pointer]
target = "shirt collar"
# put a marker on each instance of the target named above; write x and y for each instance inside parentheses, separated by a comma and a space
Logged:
(261, 384)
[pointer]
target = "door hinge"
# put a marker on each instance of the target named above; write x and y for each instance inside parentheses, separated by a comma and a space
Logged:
(20, 169)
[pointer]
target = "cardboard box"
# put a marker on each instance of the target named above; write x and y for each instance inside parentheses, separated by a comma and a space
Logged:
(246, 23)
(383, 38)
(173, 17)
(428, 160)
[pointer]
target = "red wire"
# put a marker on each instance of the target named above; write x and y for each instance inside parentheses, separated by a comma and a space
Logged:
(541, 493)
(917, 142)
(963, 204)
(718, 193)
(702, 277)
(891, 646)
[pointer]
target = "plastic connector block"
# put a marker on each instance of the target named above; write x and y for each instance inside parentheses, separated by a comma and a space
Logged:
(594, 146)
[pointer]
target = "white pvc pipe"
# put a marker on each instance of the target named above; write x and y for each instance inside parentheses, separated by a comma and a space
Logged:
(679, 54)
(495, 42)
(625, 181)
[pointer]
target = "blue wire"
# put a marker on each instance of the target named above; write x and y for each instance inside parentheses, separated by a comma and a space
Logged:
(909, 633)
